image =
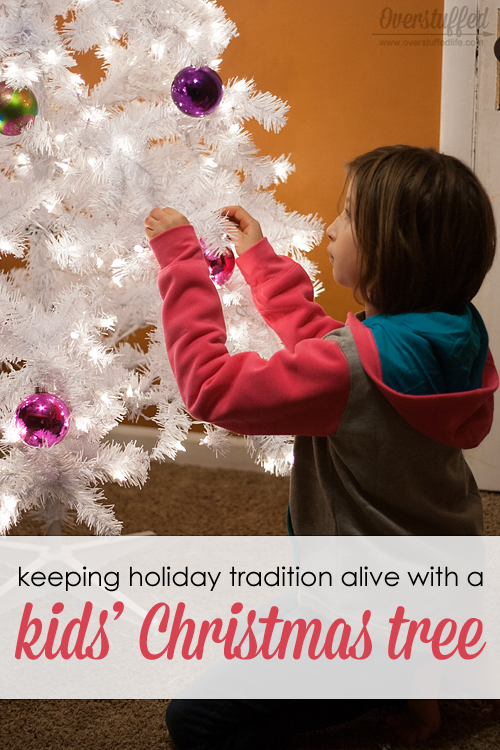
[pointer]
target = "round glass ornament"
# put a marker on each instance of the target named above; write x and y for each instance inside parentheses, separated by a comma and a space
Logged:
(197, 91)
(17, 109)
(42, 418)
(220, 267)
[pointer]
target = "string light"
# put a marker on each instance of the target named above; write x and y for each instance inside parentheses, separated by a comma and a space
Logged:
(9, 503)
(6, 246)
(50, 205)
(82, 424)
(158, 50)
(11, 434)
(95, 354)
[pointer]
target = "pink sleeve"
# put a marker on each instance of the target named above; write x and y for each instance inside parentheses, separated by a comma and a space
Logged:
(303, 392)
(283, 294)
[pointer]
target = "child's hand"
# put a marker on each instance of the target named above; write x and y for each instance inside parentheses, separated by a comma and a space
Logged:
(161, 219)
(247, 230)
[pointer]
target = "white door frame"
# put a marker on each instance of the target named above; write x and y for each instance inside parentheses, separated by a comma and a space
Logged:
(459, 105)
(458, 94)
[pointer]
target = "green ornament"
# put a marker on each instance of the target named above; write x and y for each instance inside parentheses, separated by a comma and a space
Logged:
(17, 109)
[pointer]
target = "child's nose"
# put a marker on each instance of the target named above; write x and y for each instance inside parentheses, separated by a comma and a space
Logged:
(331, 232)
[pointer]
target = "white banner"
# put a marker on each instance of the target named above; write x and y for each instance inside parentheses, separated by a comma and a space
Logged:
(250, 617)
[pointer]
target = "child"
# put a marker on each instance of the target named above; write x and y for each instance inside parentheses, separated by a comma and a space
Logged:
(383, 406)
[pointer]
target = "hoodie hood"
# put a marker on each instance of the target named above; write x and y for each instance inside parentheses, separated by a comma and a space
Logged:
(456, 373)
(424, 353)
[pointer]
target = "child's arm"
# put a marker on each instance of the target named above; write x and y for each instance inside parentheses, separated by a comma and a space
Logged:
(281, 289)
(283, 294)
(304, 392)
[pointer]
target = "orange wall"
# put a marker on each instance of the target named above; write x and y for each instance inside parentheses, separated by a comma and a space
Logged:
(347, 94)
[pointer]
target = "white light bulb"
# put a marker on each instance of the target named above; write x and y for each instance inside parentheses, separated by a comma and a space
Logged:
(9, 503)
(158, 50)
(82, 424)
(11, 434)
(6, 246)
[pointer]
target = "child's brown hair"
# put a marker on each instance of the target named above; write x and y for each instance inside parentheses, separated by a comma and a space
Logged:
(424, 227)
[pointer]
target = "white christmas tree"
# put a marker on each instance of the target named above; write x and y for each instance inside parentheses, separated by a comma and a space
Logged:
(76, 185)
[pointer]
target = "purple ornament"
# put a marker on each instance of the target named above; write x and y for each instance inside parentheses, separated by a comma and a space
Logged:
(197, 91)
(42, 418)
(221, 267)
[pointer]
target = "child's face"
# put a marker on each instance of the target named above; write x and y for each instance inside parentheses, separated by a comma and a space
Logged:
(342, 250)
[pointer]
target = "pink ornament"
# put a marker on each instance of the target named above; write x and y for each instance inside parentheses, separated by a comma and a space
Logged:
(42, 418)
(15, 126)
(221, 267)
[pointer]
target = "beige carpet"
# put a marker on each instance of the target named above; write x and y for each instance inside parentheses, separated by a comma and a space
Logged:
(189, 501)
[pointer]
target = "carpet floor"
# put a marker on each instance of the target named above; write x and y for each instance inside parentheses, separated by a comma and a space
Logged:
(181, 500)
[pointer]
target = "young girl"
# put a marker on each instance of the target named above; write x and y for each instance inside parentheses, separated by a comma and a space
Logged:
(382, 406)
